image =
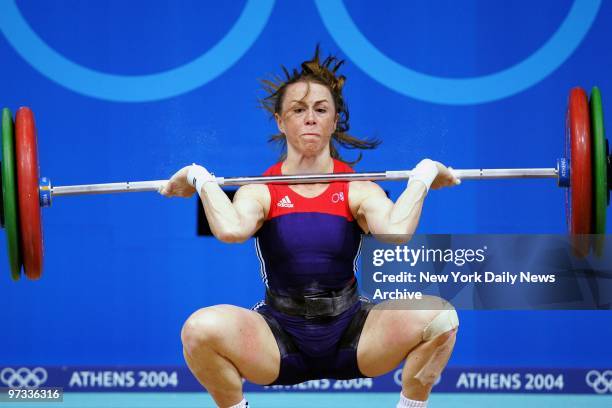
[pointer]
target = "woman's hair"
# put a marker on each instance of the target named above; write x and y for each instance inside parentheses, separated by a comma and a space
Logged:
(324, 73)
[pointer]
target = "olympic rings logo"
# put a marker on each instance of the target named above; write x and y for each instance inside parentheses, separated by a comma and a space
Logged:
(135, 88)
(23, 377)
(397, 377)
(250, 24)
(600, 382)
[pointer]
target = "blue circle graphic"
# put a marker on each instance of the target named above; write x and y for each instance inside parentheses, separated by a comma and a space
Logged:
(458, 91)
(135, 88)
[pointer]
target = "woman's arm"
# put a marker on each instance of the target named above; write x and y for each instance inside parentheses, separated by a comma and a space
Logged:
(229, 221)
(239, 220)
(379, 215)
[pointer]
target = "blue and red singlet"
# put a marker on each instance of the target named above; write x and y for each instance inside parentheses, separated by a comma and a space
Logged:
(308, 245)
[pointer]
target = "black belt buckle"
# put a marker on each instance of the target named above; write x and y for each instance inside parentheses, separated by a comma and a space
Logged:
(318, 306)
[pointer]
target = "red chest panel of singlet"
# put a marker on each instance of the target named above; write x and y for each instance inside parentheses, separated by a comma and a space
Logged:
(333, 201)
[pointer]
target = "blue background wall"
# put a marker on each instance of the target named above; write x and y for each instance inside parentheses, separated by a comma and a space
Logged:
(122, 272)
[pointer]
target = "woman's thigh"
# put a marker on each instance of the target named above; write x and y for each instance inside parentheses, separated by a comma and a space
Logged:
(389, 333)
(240, 335)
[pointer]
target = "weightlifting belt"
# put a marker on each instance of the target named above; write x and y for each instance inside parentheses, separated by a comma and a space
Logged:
(327, 304)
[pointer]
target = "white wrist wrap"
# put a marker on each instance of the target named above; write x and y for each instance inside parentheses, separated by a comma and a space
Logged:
(197, 176)
(426, 172)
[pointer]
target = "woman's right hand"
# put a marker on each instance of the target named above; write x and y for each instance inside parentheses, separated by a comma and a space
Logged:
(178, 186)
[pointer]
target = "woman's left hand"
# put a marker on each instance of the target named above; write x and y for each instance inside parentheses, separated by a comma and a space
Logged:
(445, 178)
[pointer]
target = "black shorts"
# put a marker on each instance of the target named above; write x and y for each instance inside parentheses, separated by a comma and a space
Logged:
(317, 348)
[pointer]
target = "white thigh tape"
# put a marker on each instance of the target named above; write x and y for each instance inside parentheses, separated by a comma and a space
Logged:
(446, 321)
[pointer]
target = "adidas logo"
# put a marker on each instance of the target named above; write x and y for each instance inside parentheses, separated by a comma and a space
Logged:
(285, 202)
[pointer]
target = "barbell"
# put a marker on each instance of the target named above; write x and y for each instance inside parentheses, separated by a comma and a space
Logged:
(585, 171)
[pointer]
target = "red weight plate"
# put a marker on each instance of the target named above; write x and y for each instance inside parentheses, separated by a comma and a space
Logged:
(578, 144)
(27, 192)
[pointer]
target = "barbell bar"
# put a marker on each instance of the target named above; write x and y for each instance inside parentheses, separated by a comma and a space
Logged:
(575, 171)
(391, 175)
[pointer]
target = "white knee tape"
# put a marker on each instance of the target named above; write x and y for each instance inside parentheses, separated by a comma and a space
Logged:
(445, 321)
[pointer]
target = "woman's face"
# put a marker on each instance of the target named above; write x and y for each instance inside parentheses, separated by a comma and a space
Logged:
(308, 118)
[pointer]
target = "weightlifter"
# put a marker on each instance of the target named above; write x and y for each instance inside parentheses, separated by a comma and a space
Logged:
(313, 323)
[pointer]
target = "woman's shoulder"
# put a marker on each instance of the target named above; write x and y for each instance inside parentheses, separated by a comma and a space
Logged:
(342, 167)
(274, 170)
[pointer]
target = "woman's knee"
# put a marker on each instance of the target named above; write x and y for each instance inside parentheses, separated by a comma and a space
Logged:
(435, 318)
(206, 327)
(440, 322)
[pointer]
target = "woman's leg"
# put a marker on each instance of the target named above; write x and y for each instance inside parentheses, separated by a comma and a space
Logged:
(224, 343)
(393, 333)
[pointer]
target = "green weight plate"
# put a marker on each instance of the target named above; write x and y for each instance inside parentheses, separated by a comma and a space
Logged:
(600, 158)
(9, 193)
